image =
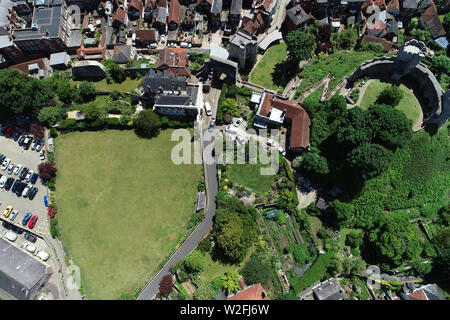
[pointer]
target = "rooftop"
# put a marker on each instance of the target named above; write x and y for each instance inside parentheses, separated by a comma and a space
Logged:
(254, 292)
(47, 20)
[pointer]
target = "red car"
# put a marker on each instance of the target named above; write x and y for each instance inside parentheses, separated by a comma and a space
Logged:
(32, 222)
(9, 131)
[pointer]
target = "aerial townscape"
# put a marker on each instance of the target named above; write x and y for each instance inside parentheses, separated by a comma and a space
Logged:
(116, 116)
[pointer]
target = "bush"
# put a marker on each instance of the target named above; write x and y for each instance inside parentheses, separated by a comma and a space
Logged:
(390, 95)
(53, 132)
(113, 123)
(205, 245)
(147, 124)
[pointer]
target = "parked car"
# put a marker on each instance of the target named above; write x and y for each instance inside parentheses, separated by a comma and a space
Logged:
(16, 229)
(23, 173)
(42, 155)
(17, 169)
(163, 38)
(10, 236)
(9, 131)
(16, 135)
(26, 191)
(2, 130)
(240, 139)
(28, 176)
(270, 142)
(32, 222)
(33, 193)
(13, 215)
(5, 163)
(211, 125)
(238, 122)
(282, 151)
(27, 143)
(20, 188)
(7, 211)
(15, 185)
(30, 237)
(2, 157)
(9, 183)
(26, 218)
(39, 145)
(10, 168)
(34, 178)
(3, 181)
(33, 145)
(21, 140)
(30, 248)
(43, 255)
(231, 130)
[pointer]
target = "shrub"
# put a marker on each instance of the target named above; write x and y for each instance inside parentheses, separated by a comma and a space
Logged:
(53, 132)
(166, 285)
(390, 95)
(113, 123)
(205, 245)
(147, 124)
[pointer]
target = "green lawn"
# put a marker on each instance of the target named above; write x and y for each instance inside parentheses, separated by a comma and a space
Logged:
(250, 176)
(316, 225)
(123, 206)
(408, 104)
(339, 64)
(214, 269)
(126, 86)
(263, 72)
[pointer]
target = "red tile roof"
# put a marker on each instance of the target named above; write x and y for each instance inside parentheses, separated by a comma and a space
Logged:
(23, 67)
(119, 15)
(299, 117)
(179, 72)
(147, 35)
(174, 11)
(173, 57)
(387, 45)
(254, 292)
(255, 25)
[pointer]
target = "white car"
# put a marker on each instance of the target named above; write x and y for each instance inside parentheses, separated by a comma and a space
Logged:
(230, 129)
(33, 144)
(5, 163)
(30, 248)
(26, 191)
(41, 155)
(17, 169)
(282, 151)
(28, 176)
(10, 236)
(3, 181)
(13, 215)
(238, 122)
(163, 38)
(240, 139)
(11, 168)
(43, 255)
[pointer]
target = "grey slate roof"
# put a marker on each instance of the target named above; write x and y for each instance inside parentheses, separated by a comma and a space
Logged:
(59, 58)
(124, 53)
(155, 80)
(433, 292)
(18, 270)
(329, 290)
(48, 20)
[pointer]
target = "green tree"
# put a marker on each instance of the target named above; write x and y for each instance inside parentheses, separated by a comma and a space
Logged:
(91, 111)
(301, 255)
(355, 128)
(230, 282)
(446, 22)
(195, 262)
(347, 39)
(314, 163)
(370, 159)
(147, 124)
(229, 106)
(85, 92)
(257, 270)
(51, 115)
(354, 239)
(205, 245)
(300, 46)
(205, 292)
(440, 65)
(343, 212)
(117, 73)
(390, 95)
(391, 128)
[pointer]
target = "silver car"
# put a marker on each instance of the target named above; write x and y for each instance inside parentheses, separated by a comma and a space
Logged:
(26, 191)
(13, 214)
(11, 168)
(5, 163)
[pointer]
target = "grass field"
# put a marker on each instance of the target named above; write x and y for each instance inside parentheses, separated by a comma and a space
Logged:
(126, 86)
(250, 176)
(215, 268)
(263, 72)
(123, 206)
(408, 104)
(339, 64)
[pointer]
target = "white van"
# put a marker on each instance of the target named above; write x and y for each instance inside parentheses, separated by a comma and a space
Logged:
(10, 236)
(183, 44)
(208, 109)
(133, 39)
(43, 255)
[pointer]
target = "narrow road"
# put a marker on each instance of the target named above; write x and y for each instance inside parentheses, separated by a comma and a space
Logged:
(152, 288)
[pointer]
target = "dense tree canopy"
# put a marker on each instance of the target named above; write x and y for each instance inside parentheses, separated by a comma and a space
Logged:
(300, 45)
(370, 159)
(195, 261)
(440, 65)
(391, 95)
(147, 124)
(21, 94)
(313, 163)
(346, 39)
(257, 270)
(85, 92)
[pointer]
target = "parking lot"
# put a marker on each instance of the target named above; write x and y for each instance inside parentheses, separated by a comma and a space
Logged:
(31, 160)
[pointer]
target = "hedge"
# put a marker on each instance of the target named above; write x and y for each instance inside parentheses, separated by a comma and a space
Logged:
(291, 177)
